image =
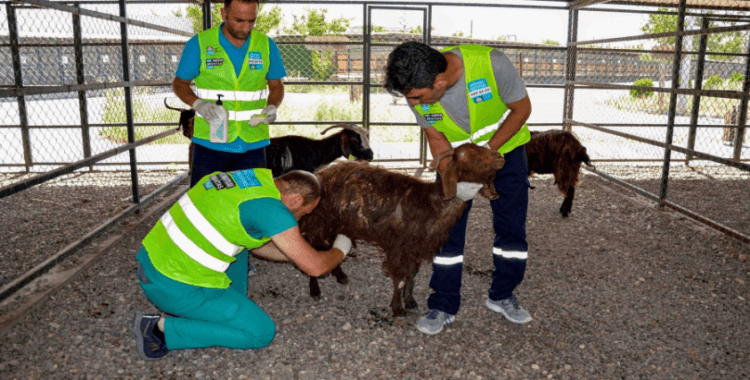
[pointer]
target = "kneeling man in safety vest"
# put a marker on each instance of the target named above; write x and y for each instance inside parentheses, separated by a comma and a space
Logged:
(193, 264)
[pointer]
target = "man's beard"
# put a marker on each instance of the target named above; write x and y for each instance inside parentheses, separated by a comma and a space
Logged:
(236, 34)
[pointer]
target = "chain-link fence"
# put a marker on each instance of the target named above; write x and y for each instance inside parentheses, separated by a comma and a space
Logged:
(84, 134)
(684, 88)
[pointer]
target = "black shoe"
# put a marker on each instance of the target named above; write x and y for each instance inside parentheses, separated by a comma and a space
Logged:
(150, 347)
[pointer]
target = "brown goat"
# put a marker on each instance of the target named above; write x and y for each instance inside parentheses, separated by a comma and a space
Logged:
(407, 218)
(558, 152)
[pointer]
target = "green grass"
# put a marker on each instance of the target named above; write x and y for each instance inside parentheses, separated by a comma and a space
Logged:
(323, 110)
(114, 113)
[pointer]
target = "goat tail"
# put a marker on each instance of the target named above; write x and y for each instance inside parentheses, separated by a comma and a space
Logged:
(582, 156)
(172, 108)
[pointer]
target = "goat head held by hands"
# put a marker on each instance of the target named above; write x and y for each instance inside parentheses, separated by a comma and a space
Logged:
(405, 217)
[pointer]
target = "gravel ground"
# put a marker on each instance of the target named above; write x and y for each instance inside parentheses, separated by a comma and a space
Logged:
(619, 290)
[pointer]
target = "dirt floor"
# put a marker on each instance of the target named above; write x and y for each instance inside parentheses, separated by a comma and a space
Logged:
(619, 290)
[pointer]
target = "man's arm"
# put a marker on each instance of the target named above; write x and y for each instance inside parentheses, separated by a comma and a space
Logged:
(293, 246)
(183, 91)
(519, 113)
(275, 92)
(438, 144)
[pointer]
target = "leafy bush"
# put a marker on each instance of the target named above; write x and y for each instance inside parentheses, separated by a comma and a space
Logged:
(736, 78)
(643, 82)
(714, 82)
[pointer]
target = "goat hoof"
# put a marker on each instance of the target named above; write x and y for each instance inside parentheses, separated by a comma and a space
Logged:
(315, 297)
(399, 312)
(343, 280)
(411, 305)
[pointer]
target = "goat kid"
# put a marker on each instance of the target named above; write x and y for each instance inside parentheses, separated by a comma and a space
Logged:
(406, 218)
(558, 152)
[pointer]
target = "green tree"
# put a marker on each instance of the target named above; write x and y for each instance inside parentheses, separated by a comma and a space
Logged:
(313, 23)
(377, 29)
(266, 21)
(730, 42)
(551, 42)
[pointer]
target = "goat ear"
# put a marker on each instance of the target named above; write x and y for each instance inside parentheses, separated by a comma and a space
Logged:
(345, 145)
(450, 181)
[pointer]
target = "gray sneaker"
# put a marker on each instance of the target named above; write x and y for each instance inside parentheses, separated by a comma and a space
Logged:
(510, 309)
(433, 322)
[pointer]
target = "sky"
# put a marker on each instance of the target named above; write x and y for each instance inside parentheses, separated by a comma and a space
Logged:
(530, 25)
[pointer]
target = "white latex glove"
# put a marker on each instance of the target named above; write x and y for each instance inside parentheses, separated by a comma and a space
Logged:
(343, 243)
(267, 115)
(467, 190)
(210, 111)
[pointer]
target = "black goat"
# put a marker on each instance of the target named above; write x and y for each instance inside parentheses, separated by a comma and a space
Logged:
(289, 153)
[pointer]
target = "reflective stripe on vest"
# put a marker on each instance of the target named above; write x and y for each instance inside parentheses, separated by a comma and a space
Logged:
(478, 134)
(244, 96)
(206, 229)
(192, 250)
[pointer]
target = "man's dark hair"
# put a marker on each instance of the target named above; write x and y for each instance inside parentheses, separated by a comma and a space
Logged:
(413, 65)
(227, 3)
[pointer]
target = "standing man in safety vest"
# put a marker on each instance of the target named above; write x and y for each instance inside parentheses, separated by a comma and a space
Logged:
(193, 264)
(461, 94)
(244, 66)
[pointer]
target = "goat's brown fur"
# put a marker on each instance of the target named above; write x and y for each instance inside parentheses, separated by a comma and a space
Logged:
(558, 152)
(407, 218)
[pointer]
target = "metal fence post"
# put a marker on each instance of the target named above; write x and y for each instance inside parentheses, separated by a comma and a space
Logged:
(80, 79)
(698, 86)
(18, 78)
(742, 117)
(570, 73)
(128, 99)
(672, 103)
(207, 15)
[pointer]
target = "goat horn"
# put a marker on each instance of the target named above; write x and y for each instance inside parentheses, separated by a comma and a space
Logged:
(434, 164)
(172, 108)
(333, 126)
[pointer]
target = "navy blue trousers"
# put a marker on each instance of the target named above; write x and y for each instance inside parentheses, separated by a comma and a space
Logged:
(207, 161)
(510, 249)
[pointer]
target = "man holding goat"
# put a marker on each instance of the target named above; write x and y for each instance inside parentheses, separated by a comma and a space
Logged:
(193, 263)
(461, 94)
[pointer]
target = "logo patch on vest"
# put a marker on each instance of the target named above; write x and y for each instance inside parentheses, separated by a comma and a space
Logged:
(425, 107)
(213, 62)
(433, 118)
(221, 181)
(246, 178)
(254, 60)
(479, 90)
(210, 50)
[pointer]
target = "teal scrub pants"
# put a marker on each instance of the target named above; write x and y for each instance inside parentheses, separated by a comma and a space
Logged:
(207, 317)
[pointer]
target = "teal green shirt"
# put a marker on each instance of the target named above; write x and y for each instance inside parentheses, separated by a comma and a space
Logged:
(265, 217)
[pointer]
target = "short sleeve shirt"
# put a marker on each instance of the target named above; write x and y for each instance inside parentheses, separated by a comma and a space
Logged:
(190, 62)
(509, 85)
(265, 217)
